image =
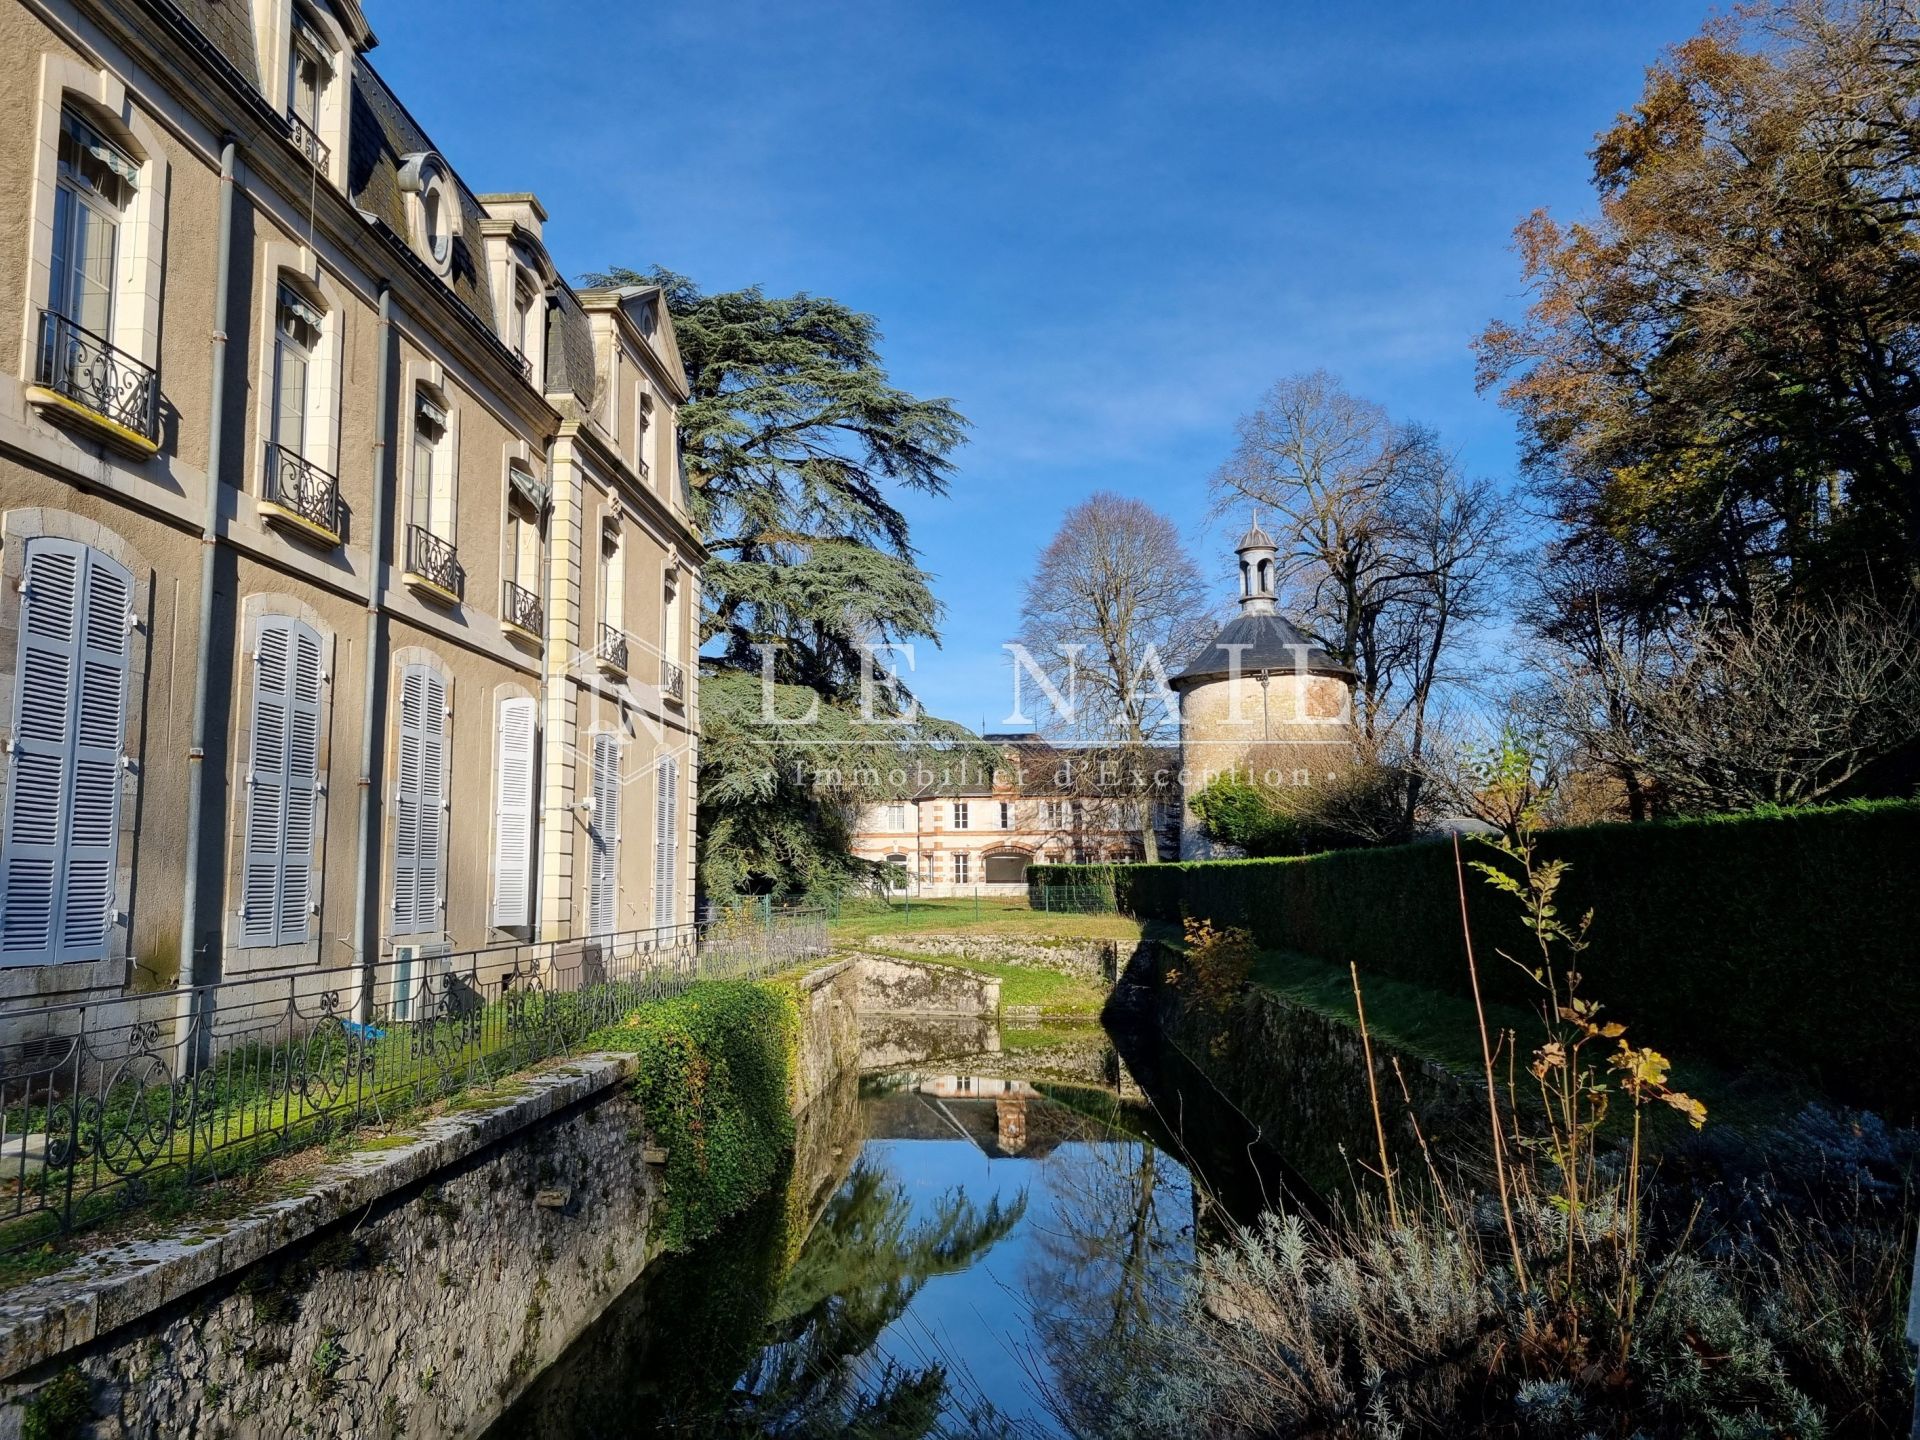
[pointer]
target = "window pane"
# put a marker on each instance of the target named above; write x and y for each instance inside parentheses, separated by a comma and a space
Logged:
(290, 407)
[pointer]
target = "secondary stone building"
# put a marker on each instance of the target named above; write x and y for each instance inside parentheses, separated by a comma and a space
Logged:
(1259, 699)
(969, 829)
(349, 579)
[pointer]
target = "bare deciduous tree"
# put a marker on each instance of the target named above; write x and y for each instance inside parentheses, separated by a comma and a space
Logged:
(1115, 600)
(1786, 708)
(1390, 553)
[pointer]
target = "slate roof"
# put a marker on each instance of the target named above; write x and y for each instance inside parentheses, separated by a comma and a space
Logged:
(570, 367)
(383, 135)
(1271, 642)
(227, 25)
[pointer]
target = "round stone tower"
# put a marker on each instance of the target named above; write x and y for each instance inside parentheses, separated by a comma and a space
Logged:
(1259, 699)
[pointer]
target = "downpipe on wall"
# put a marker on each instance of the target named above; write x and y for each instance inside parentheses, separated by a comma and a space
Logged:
(365, 957)
(195, 968)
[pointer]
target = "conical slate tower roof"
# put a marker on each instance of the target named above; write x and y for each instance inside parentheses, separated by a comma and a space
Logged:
(1262, 642)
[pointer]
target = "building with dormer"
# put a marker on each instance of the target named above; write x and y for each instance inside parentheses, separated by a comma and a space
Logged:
(349, 577)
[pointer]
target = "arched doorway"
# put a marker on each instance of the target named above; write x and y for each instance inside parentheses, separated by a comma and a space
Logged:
(1005, 867)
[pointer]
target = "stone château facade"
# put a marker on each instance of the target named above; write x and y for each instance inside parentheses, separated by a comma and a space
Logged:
(350, 582)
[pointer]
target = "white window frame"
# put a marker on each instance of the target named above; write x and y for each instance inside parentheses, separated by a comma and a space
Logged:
(962, 815)
(962, 867)
(896, 817)
(100, 98)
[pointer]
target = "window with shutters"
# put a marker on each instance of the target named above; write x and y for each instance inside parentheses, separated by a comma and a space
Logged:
(59, 849)
(420, 803)
(513, 813)
(282, 784)
(666, 841)
(603, 837)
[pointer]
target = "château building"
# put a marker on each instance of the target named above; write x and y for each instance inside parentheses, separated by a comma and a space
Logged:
(350, 580)
(970, 829)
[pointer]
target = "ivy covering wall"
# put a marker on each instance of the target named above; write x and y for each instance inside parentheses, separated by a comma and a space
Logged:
(1783, 939)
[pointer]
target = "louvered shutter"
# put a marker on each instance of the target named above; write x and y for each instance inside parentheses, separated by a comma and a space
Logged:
(419, 831)
(604, 836)
(62, 829)
(513, 813)
(282, 786)
(303, 786)
(666, 841)
(266, 787)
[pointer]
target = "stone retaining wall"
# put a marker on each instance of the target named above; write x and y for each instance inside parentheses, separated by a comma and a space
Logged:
(412, 1290)
(909, 987)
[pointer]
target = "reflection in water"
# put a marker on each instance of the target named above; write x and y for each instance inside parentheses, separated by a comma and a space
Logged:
(991, 1247)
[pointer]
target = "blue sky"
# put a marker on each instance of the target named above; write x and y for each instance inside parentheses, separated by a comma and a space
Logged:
(1102, 228)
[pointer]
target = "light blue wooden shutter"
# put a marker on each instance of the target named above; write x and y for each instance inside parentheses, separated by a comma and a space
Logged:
(283, 781)
(604, 837)
(419, 847)
(666, 840)
(61, 837)
(513, 813)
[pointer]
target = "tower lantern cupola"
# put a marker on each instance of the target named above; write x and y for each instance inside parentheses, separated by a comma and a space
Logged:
(1258, 556)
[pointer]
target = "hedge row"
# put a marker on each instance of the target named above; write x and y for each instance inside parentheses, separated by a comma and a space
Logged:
(1784, 939)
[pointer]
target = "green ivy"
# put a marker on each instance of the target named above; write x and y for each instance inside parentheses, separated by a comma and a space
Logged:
(1783, 938)
(714, 1069)
(58, 1408)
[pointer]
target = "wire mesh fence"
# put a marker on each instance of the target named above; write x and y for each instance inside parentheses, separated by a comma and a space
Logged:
(1072, 899)
(102, 1101)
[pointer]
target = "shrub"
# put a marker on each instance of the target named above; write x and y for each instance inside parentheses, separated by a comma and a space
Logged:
(713, 1071)
(1782, 938)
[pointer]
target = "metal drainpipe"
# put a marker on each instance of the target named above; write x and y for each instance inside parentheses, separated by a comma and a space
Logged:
(376, 594)
(192, 973)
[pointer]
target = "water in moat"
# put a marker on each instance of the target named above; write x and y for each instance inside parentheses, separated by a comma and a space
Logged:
(962, 1239)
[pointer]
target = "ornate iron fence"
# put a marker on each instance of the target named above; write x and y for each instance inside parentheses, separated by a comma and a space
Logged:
(613, 648)
(435, 560)
(520, 606)
(673, 681)
(296, 484)
(101, 1102)
(309, 142)
(86, 369)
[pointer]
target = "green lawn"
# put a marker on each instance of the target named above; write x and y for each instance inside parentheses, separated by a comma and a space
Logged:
(987, 915)
(1442, 1027)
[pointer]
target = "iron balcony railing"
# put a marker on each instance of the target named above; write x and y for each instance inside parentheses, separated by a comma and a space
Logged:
(613, 648)
(435, 561)
(520, 606)
(77, 364)
(309, 142)
(296, 484)
(673, 681)
(104, 1101)
(525, 362)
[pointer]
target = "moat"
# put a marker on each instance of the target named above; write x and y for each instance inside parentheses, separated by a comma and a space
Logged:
(985, 1228)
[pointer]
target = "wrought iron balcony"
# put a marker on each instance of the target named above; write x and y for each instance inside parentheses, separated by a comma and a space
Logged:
(80, 367)
(673, 681)
(520, 608)
(309, 142)
(612, 653)
(525, 361)
(302, 493)
(434, 562)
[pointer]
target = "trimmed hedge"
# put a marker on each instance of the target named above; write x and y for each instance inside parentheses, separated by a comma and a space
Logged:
(1771, 939)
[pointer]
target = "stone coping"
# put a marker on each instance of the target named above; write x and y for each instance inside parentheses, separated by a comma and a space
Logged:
(118, 1284)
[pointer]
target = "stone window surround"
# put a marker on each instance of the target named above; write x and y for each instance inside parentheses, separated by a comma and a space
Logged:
(403, 658)
(253, 609)
(299, 269)
(422, 174)
(512, 690)
(514, 510)
(431, 377)
(102, 99)
(16, 528)
(273, 25)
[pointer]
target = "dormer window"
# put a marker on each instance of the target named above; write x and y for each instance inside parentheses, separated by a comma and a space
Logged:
(308, 70)
(432, 208)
